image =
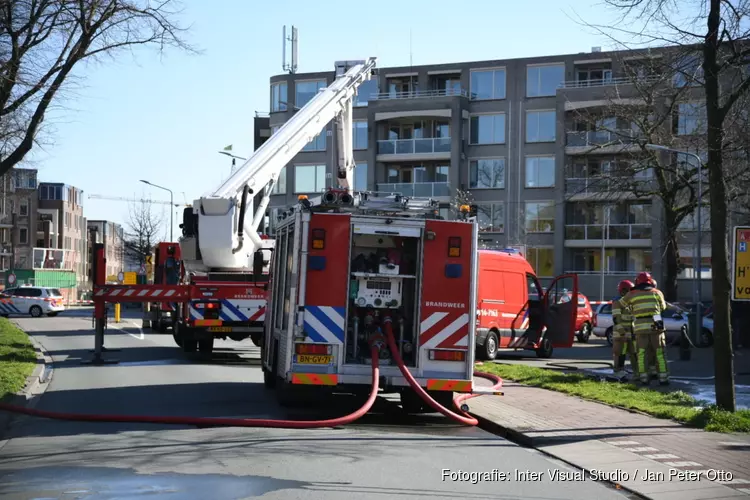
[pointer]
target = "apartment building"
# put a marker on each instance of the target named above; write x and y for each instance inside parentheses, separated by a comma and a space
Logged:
(18, 218)
(62, 205)
(112, 235)
(510, 133)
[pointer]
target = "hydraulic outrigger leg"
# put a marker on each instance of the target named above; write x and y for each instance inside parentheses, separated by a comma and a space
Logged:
(100, 312)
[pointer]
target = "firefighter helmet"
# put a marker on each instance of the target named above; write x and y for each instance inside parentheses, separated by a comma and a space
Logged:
(624, 287)
(644, 279)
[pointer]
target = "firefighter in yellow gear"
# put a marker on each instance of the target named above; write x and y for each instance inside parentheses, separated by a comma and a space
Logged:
(623, 340)
(647, 305)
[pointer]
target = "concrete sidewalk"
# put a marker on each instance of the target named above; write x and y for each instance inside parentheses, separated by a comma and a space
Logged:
(695, 464)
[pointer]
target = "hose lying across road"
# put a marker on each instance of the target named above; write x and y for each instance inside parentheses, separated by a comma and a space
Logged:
(279, 424)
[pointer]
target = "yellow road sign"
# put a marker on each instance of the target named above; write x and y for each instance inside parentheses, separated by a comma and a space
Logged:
(149, 269)
(130, 278)
(741, 263)
(149, 259)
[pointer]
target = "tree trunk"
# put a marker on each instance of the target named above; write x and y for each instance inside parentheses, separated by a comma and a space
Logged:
(671, 256)
(723, 356)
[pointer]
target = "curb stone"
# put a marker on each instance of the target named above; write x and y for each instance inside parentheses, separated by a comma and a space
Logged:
(524, 440)
(35, 385)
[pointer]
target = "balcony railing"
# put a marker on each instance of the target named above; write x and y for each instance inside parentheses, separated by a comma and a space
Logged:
(598, 185)
(414, 146)
(421, 94)
(52, 258)
(418, 189)
(612, 231)
(600, 138)
(603, 82)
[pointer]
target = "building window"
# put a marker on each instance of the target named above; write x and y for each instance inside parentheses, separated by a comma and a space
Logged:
(487, 129)
(540, 126)
(487, 173)
(309, 178)
(23, 236)
(305, 91)
(488, 84)
(688, 71)
(616, 260)
(280, 186)
(691, 119)
(360, 176)
(540, 171)
(542, 260)
(540, 216)
(367, 90)
(491, 217)
(318, 143)
(359, 134)
(544, 80)
(279, 97)
(23, 210)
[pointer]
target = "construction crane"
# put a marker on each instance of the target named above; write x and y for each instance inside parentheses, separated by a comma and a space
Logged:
(134, 200)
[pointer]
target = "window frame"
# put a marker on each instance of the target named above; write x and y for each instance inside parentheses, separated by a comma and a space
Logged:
(534, 265)
(357, 103)
(478, 115)
(477, 159)
(502, 221)
(539, 83)
(21, 240)
(538, 121)
(358, 169)
(526, 171)
(700, 119)
(280, 186)
(355, 146)
(319, 143)
(282, 106)
(325, 171)
(493, 70)
(297, 104)
(526, 220)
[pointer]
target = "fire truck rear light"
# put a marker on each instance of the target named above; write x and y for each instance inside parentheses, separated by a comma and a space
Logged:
(447, 355)
(207, 305)
(454, 246)
(317, 349)
(318, 239)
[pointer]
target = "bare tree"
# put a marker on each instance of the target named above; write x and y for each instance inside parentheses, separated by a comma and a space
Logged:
(143, 232)
(42, 42)
(713, 37)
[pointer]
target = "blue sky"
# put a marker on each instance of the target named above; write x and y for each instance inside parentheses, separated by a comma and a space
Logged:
(164, 119)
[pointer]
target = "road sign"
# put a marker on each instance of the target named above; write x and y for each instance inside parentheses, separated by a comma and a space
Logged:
(148, 259)
(11, 279)
(143, 269)
(741, 264)
(149, 269)
(120, 276)
(130, 278)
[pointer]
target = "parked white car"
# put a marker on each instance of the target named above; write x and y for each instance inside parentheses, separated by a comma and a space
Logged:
(675, 321)
(36, 301)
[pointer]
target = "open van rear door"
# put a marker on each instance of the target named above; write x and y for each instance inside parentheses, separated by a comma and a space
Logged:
(560, 310)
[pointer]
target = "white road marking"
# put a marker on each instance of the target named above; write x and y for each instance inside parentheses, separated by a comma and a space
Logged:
(661, 456)
(623, 443)
(683, 464)
(640, 449)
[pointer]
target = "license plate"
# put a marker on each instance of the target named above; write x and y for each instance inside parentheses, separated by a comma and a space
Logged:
(312, 359)
(220, 329)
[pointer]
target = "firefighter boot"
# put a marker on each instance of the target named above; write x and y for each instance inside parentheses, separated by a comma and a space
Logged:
(619, 372)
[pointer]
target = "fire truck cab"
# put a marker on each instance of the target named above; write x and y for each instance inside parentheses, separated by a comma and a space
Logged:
(338, 274)
(168, 271)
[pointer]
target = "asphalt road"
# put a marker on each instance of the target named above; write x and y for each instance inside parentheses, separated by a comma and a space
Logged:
(384, 455)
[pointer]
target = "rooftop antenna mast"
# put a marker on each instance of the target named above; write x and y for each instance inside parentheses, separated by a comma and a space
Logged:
(291, 67)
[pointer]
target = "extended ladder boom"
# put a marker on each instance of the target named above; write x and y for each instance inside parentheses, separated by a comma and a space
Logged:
(222, 225)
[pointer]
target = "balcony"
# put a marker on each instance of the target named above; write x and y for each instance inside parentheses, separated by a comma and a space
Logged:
(601, 142)
(591, 187)
(625, 235)
(421, 94)
(418, 189)
(52, 258)
(605, 82)
(438, 148)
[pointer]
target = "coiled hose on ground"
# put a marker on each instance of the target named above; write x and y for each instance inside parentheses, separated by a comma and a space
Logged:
(271, 423)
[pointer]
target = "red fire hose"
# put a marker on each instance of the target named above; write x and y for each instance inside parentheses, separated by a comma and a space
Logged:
(269, 423)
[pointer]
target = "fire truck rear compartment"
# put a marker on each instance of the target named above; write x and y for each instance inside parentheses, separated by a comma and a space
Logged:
(384, 272)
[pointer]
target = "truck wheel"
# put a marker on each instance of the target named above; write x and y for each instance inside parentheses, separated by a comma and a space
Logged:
(545, 348)
(161, 327)
(177, 339)
(256, 338)
(290, 395)
(269, 379)
(411, 402)
(189, 344)
(206, 346)
(490, 347)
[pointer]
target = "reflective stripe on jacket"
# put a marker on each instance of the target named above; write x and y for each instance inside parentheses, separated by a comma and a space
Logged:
(644, 304)
(622, 318)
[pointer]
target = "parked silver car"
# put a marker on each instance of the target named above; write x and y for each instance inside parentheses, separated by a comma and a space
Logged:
(675, 321)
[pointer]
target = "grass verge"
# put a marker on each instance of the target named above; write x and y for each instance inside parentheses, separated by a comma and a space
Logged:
(676, 405)
(17, 358)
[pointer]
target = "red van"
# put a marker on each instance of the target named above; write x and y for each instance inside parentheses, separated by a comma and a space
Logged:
(512, 315)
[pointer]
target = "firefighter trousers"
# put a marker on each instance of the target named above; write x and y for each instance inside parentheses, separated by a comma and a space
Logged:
(623, 347)
(652, 344)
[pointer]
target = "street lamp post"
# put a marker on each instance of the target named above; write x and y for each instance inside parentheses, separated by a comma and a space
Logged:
(171, 207)
(233, 157)
(699, 231)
